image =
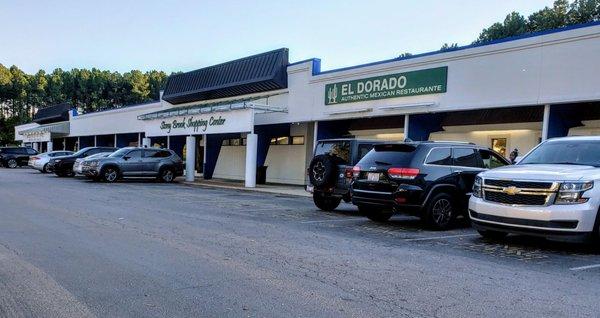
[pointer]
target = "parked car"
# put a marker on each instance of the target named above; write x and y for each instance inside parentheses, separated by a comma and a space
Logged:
(330, 170)
(553, 192)
(63, 166)
(83, 163)
(40, 161)
(432, 180)
(163, 164)
(13, 157)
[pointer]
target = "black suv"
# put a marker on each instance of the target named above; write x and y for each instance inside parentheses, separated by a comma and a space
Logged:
(63, 166)
(13, 157)
(330, 171)
(432, 180)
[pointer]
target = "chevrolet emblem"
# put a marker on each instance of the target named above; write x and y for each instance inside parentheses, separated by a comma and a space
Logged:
(511, 190)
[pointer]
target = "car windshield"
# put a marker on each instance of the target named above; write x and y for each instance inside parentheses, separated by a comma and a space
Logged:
(120, 153)
(81, 152)
(581, 152)
(98, 155)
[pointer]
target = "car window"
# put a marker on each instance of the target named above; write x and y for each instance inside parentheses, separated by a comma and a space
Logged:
(363, 149)
(31, 151)
(576, 152)
(465, 157)
(135, 154)
(439, 156)
(395, 155)
(92, 152)
(490, 159)
(339, 150)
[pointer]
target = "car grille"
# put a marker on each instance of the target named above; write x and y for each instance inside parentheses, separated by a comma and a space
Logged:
(520, 199)
(519, 184)
(519, 192)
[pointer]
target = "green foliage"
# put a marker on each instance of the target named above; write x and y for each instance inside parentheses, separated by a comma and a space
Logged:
(405, 54)
(560, 15)
(449, 47)
(22, 94)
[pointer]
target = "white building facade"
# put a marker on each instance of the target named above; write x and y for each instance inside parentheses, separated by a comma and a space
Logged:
(262, 113)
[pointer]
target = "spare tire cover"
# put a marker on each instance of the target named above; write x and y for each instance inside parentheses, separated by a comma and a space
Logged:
(322, 171)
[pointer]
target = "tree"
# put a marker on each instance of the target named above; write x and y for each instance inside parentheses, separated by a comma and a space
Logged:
(514, 24)
(405, 54)
(449, 47)
(156, 82)
(583, 11)
(549, 18)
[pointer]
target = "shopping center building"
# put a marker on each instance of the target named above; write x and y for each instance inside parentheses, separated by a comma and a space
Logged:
(233, 119)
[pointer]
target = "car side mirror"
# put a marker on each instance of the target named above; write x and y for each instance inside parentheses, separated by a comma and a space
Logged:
(126, 158)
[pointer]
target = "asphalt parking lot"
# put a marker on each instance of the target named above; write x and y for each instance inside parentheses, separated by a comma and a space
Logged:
(71, 247)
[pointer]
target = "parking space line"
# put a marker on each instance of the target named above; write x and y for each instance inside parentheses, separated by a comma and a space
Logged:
(334, 220)
(438, 237)
(581, 268)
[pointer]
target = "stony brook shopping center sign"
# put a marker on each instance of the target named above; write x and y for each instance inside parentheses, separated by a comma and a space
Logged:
(215, 123)
(422, 82)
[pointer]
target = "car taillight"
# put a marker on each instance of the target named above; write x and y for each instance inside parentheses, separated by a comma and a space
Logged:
(356, 171)
(348, 172)
(34, 158)
(403, 173)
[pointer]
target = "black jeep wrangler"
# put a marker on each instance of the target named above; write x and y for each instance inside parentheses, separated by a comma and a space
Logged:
(330, 171)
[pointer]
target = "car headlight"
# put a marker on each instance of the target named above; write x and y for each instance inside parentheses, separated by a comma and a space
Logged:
(572, 192)
(477, 187)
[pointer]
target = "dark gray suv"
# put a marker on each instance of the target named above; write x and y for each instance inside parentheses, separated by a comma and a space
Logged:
(163, 164)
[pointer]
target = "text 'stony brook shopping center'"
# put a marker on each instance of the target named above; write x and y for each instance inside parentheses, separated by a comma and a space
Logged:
(232, 119)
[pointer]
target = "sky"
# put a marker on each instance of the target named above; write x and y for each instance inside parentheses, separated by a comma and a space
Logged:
(186, 35)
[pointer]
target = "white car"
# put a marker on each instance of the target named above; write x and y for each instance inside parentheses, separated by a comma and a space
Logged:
(78, 165)
(553, 192)
(40, 161)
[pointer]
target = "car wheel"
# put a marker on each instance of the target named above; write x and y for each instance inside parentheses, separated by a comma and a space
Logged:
(375, 214)
(12, 163)
(492, 235)
(110, 174)
(440, 212)
(326, 203)
(322, 171)
(167, 175)
(45, 169)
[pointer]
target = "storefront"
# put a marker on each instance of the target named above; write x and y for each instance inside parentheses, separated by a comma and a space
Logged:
(260, 114)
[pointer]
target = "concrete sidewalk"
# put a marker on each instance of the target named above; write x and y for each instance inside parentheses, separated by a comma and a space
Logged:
(286, 189)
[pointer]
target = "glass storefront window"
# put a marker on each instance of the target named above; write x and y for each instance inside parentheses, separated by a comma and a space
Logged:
(499, 145)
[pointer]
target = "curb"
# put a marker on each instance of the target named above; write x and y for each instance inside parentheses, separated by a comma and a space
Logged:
(219, 186)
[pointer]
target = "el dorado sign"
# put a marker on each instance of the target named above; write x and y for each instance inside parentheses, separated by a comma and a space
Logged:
(422, 82)
(215, 123)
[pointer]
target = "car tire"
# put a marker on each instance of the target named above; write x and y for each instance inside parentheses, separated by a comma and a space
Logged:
(375, 214)
(326, 203)
(441, 212)
(109, 174)
(492, 235)
(45, 169)
(166, 175)
(322, 171)
(12, 163)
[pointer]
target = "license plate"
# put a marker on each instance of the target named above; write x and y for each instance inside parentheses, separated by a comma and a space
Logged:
(372, 176)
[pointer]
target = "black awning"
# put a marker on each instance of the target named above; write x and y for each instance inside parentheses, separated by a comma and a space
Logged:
(52, 114)
(253, 74)
(525, 114)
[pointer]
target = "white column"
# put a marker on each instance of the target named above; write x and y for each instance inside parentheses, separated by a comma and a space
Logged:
(78, 143)
(190, 158)
(546, 122)
(139, 139)
(49, 146)
(65, 143)
(35, 146)
(146, 142)
(251, 150)
(95, 140)
(406, 125)
(168, 142)
(115, 144)
(315, 134)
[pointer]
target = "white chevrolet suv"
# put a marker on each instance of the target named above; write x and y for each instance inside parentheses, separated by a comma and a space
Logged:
(553, 192)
